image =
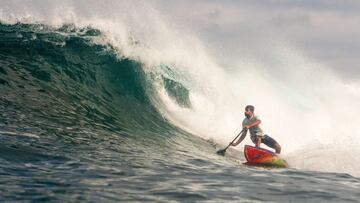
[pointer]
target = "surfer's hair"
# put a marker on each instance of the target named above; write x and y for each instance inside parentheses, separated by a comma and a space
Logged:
(250, 107)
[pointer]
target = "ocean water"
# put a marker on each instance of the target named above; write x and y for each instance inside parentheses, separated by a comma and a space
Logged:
(95, 115)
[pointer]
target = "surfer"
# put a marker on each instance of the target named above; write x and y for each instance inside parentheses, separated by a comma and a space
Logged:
(251, 123)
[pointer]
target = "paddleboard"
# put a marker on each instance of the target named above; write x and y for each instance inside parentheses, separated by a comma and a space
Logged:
(256, 156)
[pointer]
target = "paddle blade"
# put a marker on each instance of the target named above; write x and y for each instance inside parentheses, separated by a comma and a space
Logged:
(221, 152)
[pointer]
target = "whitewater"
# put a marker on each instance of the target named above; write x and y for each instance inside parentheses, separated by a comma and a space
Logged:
(122, 102)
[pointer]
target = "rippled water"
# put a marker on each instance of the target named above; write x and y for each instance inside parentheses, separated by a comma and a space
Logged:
(109, 168)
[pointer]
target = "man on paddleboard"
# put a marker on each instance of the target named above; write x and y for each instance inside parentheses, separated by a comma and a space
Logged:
(251, 123)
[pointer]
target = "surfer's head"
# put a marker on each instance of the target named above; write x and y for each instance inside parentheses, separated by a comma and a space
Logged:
(249, 111)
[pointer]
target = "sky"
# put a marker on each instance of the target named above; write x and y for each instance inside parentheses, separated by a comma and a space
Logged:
(327, 31)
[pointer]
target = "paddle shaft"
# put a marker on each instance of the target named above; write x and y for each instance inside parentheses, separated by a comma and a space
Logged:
(234, 139)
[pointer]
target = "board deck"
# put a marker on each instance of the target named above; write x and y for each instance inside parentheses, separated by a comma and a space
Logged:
(256, 156)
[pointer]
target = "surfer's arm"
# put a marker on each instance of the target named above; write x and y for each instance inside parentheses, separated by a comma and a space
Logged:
(242, 137)
(257, 122)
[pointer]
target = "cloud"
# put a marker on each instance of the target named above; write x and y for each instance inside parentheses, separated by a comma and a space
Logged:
(301, 19)
(214, 14)
(325, 30)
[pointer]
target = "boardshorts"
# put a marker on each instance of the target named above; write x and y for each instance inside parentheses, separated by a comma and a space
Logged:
(267, 140)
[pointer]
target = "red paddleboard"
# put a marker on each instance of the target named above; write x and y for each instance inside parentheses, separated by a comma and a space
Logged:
(256, 156)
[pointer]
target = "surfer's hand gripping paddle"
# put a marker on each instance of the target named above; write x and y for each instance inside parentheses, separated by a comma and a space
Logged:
(222, 151)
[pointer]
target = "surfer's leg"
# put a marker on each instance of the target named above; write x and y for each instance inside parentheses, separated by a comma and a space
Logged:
(270, 142)
(253, 139)
(256, 140)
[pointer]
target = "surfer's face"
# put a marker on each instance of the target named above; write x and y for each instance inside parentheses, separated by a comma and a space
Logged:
(248, 114)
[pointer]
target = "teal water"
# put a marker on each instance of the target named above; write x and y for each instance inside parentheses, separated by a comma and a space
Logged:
(78, 123)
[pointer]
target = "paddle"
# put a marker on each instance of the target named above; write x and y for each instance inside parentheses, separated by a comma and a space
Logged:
(222, 151)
